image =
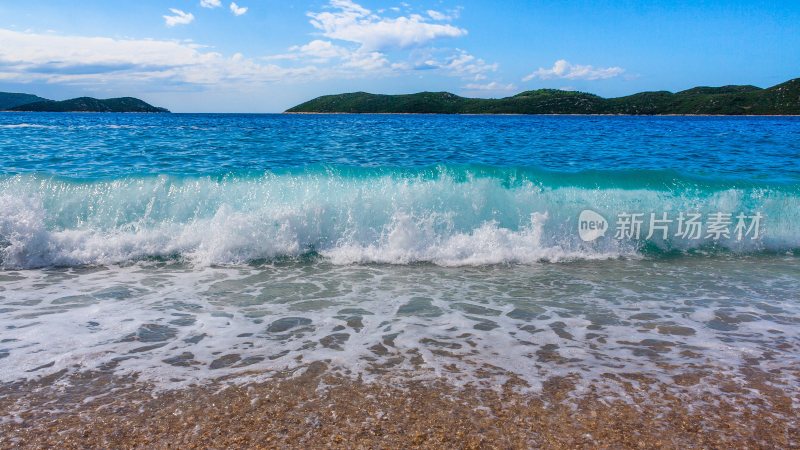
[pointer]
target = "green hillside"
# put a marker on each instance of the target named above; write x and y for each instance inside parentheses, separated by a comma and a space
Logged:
(783, 99)
(88, 104)
(9, 100)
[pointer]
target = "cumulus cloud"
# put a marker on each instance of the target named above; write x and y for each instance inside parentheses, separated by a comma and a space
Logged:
(320, 50)
(458, 63)
(358, 42)
(464, 64)
(27, 57)
(178, 18)
(238, 10)
(210, 3)
(493, 86)
(344, 61)
(562, 69)
(348, 21)
(436, 15)
(369, 62)
(351, 41)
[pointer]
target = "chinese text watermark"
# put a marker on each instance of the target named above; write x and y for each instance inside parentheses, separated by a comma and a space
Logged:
(683, 225)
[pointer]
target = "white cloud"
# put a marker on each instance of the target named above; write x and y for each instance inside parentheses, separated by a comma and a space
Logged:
(27, 57)
(179, 18)
(354, 42)
(238, 10)
(318, 50)
(562, 69)
(369, 62)
(210, 3)
(464, 63)
(436, 15)
(359, 43)
(343, 61)
(444, 16)
(493, 86)
(351, 22)
(459, 63)
(346, 61)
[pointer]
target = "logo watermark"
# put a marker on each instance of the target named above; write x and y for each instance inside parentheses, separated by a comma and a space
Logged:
(591, 225)
(685, 225)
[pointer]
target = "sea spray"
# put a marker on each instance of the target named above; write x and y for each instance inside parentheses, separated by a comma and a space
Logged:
(443, 215)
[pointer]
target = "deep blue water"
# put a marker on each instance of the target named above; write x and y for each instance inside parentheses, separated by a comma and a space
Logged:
(113, 145)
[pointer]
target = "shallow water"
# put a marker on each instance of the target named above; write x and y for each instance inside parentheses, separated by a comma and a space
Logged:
(175, 324)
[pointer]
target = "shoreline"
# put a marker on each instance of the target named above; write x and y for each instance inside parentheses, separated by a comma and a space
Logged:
(287, 113)
(532, 115)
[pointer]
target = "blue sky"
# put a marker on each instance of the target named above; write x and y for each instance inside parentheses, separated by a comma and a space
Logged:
(265, 56)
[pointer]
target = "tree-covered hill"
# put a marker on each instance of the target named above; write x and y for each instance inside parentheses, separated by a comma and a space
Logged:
(88, 104)
(783, 99)
(10, 100)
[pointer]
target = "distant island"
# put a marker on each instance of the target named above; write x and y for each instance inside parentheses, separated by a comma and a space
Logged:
(783, 99)
(27, 102)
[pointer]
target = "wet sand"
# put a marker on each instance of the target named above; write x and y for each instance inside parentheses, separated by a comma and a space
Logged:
(316, 409)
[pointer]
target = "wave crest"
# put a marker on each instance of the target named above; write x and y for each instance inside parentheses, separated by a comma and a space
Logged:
(446, 218)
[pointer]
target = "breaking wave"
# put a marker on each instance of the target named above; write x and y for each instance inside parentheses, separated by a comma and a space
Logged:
(443, 215)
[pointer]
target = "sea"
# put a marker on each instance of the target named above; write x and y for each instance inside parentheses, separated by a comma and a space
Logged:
(182, 248)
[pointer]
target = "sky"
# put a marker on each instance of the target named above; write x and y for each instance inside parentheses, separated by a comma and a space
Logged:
(266, 56)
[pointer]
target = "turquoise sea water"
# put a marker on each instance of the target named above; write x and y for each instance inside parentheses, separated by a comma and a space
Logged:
(188, 246)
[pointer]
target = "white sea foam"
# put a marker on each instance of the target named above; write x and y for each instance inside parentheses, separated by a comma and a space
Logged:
(26, 125)
(46, 222)
(176, 324)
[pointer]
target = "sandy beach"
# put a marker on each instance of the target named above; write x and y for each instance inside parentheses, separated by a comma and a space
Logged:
(314, 408)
